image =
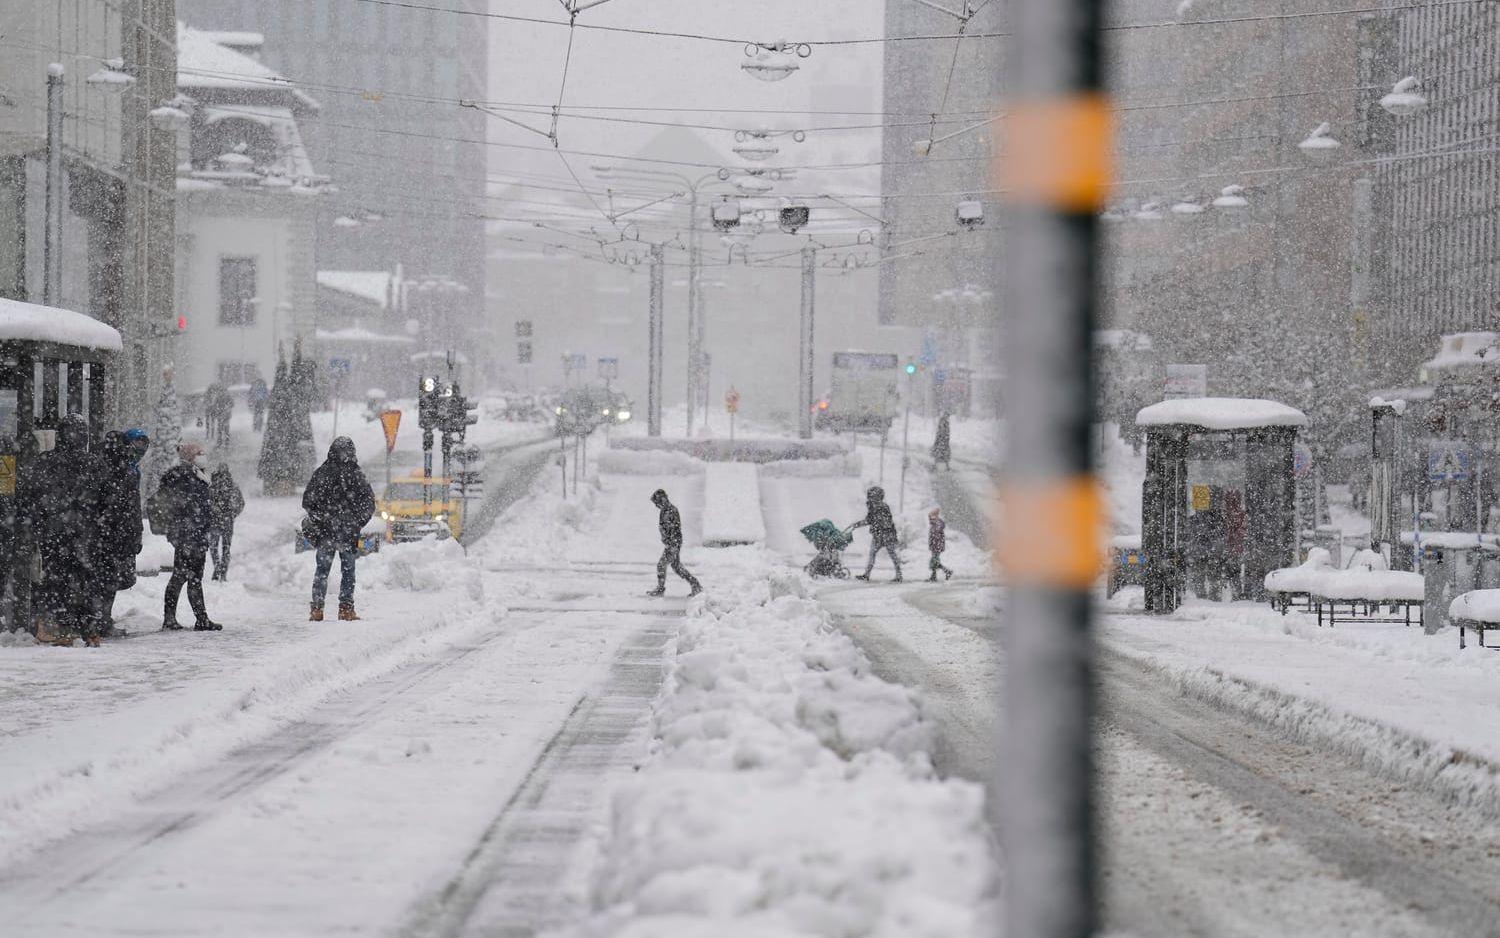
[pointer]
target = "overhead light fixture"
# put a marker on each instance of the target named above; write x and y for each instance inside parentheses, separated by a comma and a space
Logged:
(725, 215)
(756, 152)
(1187, 208)
(112, 77)
(773, 61)
(794, 217)
(1320, 145)
(1231, 198)
(970, 213)
(168, 117)
(1404, 100)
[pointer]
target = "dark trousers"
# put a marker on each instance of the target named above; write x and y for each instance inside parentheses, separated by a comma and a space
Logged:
(187, 567)
(259, 417)
(875, 550)
(347, 556)
(218, 548)
(671, 556)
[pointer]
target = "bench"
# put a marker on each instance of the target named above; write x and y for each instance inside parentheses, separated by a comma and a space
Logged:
(1358, 594)
(1287, 586)
(1477, 610)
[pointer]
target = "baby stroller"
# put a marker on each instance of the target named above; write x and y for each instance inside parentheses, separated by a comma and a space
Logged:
(830, 540)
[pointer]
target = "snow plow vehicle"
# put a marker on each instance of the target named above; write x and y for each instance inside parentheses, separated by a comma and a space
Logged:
(417, 507)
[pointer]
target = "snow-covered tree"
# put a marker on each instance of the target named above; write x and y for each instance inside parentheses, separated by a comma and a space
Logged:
(286, 452)
(166, 435)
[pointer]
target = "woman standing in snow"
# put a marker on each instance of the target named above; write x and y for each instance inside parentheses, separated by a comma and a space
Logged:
(339, 503)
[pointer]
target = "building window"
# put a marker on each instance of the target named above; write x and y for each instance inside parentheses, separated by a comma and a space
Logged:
(233, 373)
(237, 291)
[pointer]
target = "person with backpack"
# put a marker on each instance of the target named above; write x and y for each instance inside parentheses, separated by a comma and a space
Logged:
(182, 509)
(883, 534)
(228, 501)
(339, 503)
(669, 526)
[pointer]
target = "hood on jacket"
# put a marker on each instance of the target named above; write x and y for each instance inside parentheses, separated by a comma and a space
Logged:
(342, 450)
(659, 498)
(875, 494)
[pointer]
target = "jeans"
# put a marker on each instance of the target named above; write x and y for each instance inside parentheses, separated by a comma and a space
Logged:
(187, 568)
(672, 557)
(890, 549)
(347, 555)
(218, 548)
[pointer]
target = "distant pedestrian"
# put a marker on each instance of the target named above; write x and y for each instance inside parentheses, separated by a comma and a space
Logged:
(937, 542)
(942, 444)
(339, 503)
(228, 502)
(669, 525)
(183, 509)
(883, 534)
(121, 529)
(59, 498)
(259, 395)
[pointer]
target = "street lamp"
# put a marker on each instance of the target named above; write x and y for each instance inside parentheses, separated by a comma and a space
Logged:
(1231, 198)
(1320, 145)
(774, 61)
(1404, 100)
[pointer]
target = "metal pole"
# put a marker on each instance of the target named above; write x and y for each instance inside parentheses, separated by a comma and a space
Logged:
(52, 224)
(806, 355)
(653, 366)
(905, 436)
(695, 332)
(1057, 173)
(562, 462)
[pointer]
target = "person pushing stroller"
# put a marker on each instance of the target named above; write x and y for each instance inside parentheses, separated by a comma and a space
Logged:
(882, 531)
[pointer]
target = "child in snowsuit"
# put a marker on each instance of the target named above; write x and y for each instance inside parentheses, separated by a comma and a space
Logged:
(937, 542)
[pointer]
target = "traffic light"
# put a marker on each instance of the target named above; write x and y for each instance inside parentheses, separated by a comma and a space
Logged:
(428, 415)
(911, 368)
(458, 412)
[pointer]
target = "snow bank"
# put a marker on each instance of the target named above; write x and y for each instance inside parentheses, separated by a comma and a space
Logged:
(731, 505)
(843, 464)
(789, 793)
(648, 463)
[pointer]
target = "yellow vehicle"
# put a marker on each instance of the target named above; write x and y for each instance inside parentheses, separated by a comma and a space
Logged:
(411, 514)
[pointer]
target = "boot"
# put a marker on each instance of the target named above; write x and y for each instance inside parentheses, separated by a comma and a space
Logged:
(862, 576)
(933, 578)
(347, 613)
(169, 624)
(317, 613)
(207, 625)
(697, 588)
(92, 640)
(659, 591)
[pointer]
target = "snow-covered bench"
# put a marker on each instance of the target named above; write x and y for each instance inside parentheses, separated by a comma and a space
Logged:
(1478, 610)
(1291, 584)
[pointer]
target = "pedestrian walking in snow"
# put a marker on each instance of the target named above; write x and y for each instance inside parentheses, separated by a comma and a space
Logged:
(339, 503)
(228, 502)
(669, 525)
(121, 528)
(218, 407)
(259, 395)
(882, 531)
(937, 542)
(942, 444)
(59, 494)
(182, 509)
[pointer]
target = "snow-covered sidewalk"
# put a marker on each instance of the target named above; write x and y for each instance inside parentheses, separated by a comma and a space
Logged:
(1409, 705)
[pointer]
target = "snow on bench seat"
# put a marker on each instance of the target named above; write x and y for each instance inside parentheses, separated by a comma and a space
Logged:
(1302, 578)
(731, 505)
(1478, 610)
(1372, 586)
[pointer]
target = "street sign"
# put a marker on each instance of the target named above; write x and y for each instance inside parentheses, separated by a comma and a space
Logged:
(609, 368)
(339, 366)
(523, 329)
(1449, 461)
(1185, 381)
(390, 422)
(523, 353)
(732, 401)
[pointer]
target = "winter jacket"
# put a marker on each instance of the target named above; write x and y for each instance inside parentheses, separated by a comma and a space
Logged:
(942, 449)
(339, 501)
(882, 525)
(228, 501)
(937, 536)
(669, 524)
(59, 493)
(120, 525)
(185, 503)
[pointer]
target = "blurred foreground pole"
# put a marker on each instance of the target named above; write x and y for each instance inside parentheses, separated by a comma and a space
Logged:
(805, 356)
(53, 198)
(1056, 172)
(653, 365)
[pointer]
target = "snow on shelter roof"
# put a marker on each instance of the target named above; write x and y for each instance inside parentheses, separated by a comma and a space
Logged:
(1457, 349)
(1221, 413)
(34, 323)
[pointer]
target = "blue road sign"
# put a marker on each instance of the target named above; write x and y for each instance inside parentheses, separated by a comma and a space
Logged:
(1450, 461)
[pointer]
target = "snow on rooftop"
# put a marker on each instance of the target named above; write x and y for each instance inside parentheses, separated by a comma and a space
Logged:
(358, 335)
(1221, 413)
(373, 286)
(33, 322)
(1460, 349)
(203, 62)
(235, 39)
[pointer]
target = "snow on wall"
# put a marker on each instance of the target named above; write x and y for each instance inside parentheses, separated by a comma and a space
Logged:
(789, 793)
(731, 504)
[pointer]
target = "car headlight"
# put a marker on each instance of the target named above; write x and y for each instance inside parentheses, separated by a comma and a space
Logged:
(440, 516)
(622, 416)
(385, 516)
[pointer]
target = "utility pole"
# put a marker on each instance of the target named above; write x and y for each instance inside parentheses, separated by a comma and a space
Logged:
(805, 357)
(52, 226)
(653, 366)
(911, 371)
(695, 317)
(1057, 172)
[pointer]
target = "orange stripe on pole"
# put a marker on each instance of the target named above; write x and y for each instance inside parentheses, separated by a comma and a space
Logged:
(1059, 153)
(1050, 532)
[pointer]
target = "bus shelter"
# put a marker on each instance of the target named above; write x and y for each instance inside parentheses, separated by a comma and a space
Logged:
(1218, 506)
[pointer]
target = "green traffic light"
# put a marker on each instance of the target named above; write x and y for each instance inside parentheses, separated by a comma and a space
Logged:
(911, 369)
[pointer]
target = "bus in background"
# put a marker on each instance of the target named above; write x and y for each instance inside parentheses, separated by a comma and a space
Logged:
(863, 394)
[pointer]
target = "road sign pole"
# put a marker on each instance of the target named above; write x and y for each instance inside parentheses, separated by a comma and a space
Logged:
(805, 357)
(653, 366)
(1057, 172)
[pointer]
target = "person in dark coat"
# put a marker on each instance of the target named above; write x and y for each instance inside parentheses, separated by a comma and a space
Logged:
(184, 506)
(339, 503)
(882, 531)
(937, 542)
(259, 395)
(59, 492)
(121, 528)
(228, 502)
(942, 444)
(669, 525)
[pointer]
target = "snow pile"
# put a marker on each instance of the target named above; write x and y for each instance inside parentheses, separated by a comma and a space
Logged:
(648, 463)
(731, 505)
(789, 794)
(1303, 578)
(1476, 606)
(844, 464)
